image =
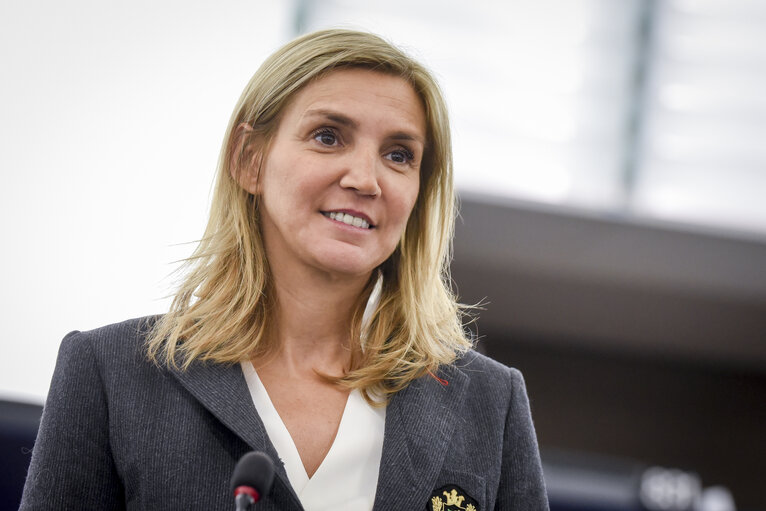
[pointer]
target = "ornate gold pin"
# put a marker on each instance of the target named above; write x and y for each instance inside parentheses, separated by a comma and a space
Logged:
(451, 498)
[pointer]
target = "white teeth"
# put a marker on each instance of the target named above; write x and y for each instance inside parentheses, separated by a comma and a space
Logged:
(348, 219)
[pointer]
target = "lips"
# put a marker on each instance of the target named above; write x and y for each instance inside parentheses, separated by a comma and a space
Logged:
(354, 219)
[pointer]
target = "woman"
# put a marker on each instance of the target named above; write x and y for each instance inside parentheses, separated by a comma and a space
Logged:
(315, 322)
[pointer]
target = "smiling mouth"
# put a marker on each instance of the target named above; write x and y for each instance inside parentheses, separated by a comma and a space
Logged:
(347, 219)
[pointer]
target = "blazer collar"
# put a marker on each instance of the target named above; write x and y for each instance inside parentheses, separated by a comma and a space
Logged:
(419, 426)
(222, 389)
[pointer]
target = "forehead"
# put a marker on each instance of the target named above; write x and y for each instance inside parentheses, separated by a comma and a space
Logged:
(369, 95)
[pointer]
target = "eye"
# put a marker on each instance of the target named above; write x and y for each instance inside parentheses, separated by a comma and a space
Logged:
(326, 136)
(400, 155)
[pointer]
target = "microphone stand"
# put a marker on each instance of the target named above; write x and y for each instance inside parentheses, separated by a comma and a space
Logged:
(244, 502)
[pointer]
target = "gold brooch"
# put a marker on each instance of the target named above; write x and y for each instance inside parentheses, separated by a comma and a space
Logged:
(451, 498)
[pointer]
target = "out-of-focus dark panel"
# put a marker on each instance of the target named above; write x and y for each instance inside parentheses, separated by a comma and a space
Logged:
(614, 284)
(18, 429)
(693, 417)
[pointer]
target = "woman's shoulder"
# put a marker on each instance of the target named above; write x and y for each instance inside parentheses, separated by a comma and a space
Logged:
(112, 358)
(488, 374)
(114, 342)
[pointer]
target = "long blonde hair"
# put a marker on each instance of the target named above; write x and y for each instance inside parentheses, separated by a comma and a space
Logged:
(221, 310)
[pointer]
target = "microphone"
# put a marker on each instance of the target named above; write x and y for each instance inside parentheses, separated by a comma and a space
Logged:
(251, 479)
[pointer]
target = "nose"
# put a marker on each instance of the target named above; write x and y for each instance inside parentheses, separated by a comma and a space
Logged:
(360, 172)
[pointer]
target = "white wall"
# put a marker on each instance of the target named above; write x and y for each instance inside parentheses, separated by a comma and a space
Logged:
(111, 119)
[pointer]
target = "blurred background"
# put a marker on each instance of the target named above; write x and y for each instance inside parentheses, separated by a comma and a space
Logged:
(611, 164)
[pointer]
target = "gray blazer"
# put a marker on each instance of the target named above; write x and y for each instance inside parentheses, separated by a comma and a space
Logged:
(120, 433)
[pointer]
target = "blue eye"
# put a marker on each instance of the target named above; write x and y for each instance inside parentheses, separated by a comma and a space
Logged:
(400, 156)
(326, 136)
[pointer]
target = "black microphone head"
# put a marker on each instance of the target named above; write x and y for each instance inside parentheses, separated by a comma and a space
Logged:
(256, 470)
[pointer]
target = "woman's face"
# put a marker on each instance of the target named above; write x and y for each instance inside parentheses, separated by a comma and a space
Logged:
(342, 173)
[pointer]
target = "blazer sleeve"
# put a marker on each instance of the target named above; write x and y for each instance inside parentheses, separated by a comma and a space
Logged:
(72, 465)
(521, 485)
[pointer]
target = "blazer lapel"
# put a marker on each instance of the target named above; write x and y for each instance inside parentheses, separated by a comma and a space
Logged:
(419, 426)
(222, 390)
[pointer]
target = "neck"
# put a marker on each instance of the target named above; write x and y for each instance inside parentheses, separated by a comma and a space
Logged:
(313, 321)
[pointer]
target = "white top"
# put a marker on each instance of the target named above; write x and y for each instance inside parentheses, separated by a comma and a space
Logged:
(348, 476)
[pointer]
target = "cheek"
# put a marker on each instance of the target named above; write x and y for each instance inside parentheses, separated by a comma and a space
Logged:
(283, 183)
(404, 207)
(411, 198)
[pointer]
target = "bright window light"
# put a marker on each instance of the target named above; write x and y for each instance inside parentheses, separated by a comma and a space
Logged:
(703, 156)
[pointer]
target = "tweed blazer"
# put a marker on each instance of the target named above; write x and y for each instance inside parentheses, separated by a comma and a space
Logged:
(118, 432)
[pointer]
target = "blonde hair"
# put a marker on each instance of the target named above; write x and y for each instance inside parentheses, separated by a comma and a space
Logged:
(221, 309)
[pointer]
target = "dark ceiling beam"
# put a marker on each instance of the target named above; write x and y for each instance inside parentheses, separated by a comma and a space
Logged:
(613, 283)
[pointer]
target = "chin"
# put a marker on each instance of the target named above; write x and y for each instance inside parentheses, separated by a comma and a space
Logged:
(350, 270)
(348, 264)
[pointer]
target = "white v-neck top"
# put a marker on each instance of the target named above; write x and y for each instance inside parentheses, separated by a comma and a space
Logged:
(348, 476)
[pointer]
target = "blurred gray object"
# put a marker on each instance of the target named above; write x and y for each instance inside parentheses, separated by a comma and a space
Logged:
(18, 428)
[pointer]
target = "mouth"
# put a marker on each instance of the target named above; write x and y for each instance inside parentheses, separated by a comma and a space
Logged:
(353, 220)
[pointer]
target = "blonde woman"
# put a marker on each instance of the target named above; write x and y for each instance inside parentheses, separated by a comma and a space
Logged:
(315, 322)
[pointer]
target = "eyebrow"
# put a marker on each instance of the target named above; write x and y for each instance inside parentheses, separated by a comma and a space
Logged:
(344, 120)
(332, 116)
